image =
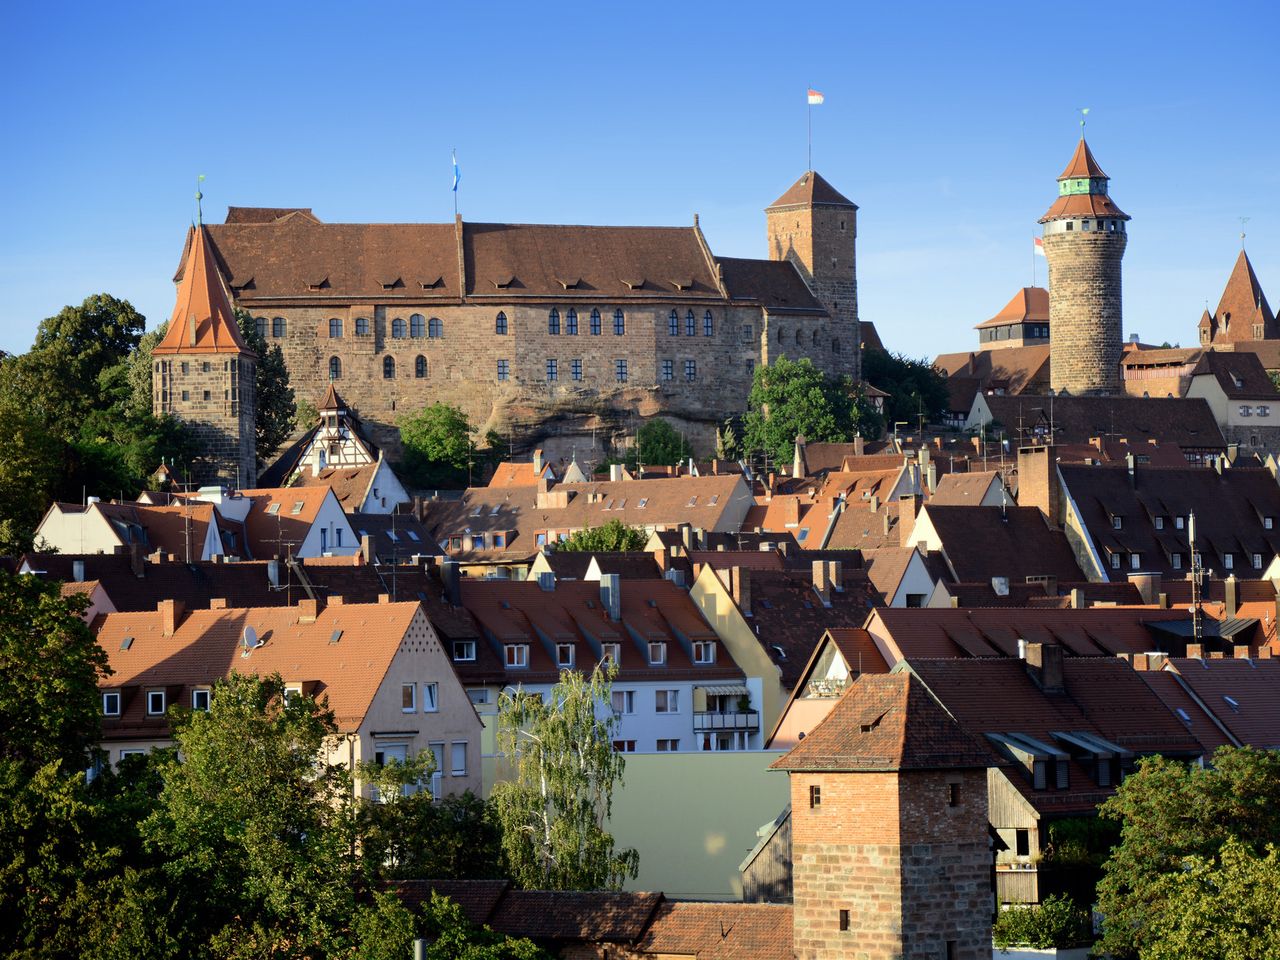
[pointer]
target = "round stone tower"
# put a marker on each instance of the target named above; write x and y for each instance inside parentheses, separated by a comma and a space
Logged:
(1084, 241)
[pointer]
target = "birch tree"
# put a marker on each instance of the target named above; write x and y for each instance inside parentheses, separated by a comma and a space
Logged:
(555, 807)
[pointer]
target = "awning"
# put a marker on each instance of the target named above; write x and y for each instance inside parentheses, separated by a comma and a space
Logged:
(727, 690)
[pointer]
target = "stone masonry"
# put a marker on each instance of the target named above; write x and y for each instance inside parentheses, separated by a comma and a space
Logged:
(215, 396)
(1086, 336)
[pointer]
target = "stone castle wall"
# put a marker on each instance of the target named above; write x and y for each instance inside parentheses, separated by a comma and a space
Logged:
(1086, 336)
(215, 395)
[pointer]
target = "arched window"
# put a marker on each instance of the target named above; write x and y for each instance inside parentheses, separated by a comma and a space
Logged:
(500, 324)
(553, 322)
(335, 368)
(708, 325)
(362, 326)
(799, 338)
(261, 323)
(420, 367)
(673, 323)
(335, 328)
(388, 368)
(278, 327)
(435, 328)
(690, 325)
(619, 323)
(571, 322)
(835, 346)
(417, 324)
(595, 321)
(397, 329)
(781, 334)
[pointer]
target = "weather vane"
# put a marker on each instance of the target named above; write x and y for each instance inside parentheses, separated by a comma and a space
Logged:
(1084, 112)
(199, 197)
(1243, 221)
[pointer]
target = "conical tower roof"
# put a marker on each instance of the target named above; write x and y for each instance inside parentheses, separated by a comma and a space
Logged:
(1243, 300)
(1082, 164)
(331, 400)
(1087, 196)
(203, 320)
(810, 190)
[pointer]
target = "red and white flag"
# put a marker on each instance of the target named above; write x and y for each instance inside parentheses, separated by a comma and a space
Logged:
(1039, 245)
(814, 97)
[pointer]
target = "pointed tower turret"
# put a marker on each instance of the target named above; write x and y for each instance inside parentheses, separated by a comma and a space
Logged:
(1243, 312)
(815, 227)
(204, 373)
(1084, 242)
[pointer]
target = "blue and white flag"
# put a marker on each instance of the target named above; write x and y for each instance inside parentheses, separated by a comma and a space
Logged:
(456, 175)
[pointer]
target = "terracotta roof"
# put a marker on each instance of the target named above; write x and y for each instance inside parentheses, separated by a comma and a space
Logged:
(266, 214)
(1012, 369)
(860, 528)
(859, 650)
(1160, 356)
(203, 320)
(208, 645)
(885, 567)
(961, 489)
(596, 916)
(1083, 205)
(1189, 423)
(1082, 164)
(411, 537)
(812, 189)
(331, 400)
(349, 484)
(870, 336)
(178, 529)
(1244, 303)
(720, 931)
(1015, 542)
(519, 474)
(886, 721)
(1239, 373)
(1240, 693)
(1029, 303)
(774, 284)
(271, 532)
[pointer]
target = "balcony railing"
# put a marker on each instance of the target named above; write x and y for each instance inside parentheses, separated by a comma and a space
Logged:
(749, 720)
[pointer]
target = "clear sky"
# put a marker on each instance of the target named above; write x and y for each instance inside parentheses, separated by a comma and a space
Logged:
(947, 123)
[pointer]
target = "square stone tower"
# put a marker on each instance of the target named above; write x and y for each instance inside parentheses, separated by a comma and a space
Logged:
(889, 842)
(816, 227)
(205, 374)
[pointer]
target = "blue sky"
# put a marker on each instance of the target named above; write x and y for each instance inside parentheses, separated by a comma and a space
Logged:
(947, 123)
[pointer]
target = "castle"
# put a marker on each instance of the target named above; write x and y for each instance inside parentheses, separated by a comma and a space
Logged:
(532, 329)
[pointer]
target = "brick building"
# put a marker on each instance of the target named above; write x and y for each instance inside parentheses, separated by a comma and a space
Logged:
(518, 324)
(1084, 241)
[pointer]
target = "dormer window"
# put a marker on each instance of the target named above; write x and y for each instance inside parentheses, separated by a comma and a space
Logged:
(517, 654)
(464, 651)
(611, 653)
(1117, 523)
(200, 698)
(1175, 561)
(657, 653)
(1179, 522)
(111, 704)
(1159, 522)
(704, 652)
(155, 703)
(564, 654)
(1257, 561)
(1228, 561)
(1268, 523)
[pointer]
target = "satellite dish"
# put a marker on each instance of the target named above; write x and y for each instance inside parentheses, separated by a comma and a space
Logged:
(250, 639)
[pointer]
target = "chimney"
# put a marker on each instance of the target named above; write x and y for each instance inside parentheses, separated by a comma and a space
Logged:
(537, 461)
(366, 549)
(1231, 595)
(450, 576)
(1129, 462)
(137, 560)
(1241, 651)
(1141, 662)
(821, 583)
(1195, 651)
(931, 476)
(273, 572)
(384, 598)
(77, 571)
(1038, 481)
(1044, 663)
(1077, 598)
(217, 603)
(170, 616)
(1148, 586)
(888, 522)
(835, 575)
(1022, 649)
(740, 588)
(615, 472)
(874, 500)
(908, 507)
(611, 595)
(308, 610)
(798, 465)
(547, 581)
(686, 536)
(859, 446)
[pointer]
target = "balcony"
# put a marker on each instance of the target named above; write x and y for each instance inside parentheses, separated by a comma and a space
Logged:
(749, 720)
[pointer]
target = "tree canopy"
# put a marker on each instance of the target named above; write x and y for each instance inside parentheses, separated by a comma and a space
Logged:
(277, 413)
(659, 443)
(613, 536)
(555, 807)
(915, 388)
(437, 446)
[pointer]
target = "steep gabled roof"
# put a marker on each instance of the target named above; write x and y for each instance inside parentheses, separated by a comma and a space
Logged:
(886, 722)
(1243, 300)
(812, 189)
(1029, 303)
(202, 321)
(1239, 373)
(1082, 164)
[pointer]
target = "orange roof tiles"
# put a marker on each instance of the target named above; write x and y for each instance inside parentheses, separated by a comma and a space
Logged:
(271, 533)
(203, 320)
(720, 931)
(1029, 303)
(1082, 164)
(1083, 205)
(1243, 305)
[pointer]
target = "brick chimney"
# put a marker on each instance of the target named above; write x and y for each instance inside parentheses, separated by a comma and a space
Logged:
(137, 560)
(1044, 664)
(308, 610)
(798, 464)
(1038, 481)
(859, 446)
(740, 588)
(822, 581)
(171, 612)
(537, 461)
(908, 508)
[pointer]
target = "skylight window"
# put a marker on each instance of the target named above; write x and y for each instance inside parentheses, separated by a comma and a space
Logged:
(1232, 702)
(496, 508)
(273, 509)
(477, 511)
(412, 536)
(297, 507)
(693, 501)
(644, 502)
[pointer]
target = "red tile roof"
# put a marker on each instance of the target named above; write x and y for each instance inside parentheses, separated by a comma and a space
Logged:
(1083, 205)
(1240, 693)
(1243, 305)
(812, 189)
(1012, 369)
(963, 489)
(1082, 164)
(1029, 303)
(720, 931)
(271, 534)
(774, 284)
(203, 320)
(1015, 542)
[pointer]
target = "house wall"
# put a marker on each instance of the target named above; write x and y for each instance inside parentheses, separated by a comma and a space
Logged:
(915, 580)
(1079, 539)
(84, 531)
(386, 492)
(331, 519)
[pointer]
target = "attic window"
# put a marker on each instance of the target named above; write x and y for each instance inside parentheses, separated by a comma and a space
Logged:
(477, 511)
(715, 498)
(634, 283)
(412, 536)
(644, 502)
(111, 704)
(1232, 702)
(496, 508)
(1184, 716)
(432, 284)
(504, 281)
(692, 501)
(273, 509)
(569, 283)
(297, 508)
(321, 284)
(392, 284)
(335, 636)
(126, 643)
(682, 283)
(868, 727)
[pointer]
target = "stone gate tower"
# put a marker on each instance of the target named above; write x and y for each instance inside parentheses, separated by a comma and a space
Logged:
(890, 852)
(205, 374)
(816, 227)
(1084, 241)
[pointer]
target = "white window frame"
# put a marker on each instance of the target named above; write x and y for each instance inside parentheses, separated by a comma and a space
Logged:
(565, 655)
(468, 651)
(201, 694)
(1159, 522)
(151, 711)
(109, 696)
(431, 698)
(458, 750)
(657, 653)
(515, 655)
(1175, 560)
(1257, 561)
(291, 690)
(666, 701)
(1115, 561)
(479, 696)
(704, 651)
(408, 698)
(1228, 561)
(611, 652)
(627, 698)
(1135, 561)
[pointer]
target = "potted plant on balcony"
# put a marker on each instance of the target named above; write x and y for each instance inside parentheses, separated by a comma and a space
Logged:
(1055, 928)
(744, 703)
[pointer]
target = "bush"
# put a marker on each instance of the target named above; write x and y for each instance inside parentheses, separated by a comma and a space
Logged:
(1057, 922)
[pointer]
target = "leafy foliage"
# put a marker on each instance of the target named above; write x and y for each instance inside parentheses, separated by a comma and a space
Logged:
(610, 537)
(1171, 815)
(453, 937)
(277, 414)
(915, 389)
(554, 808)
(1057, 922)
(437, 446)
(790, 398)
(659, 443)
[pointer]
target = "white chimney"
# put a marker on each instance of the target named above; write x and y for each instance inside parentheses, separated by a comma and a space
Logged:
(77, 570)
(611, 595)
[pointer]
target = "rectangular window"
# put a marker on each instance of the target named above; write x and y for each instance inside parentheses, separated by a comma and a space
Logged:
(708, 325)
(619, 323)
(553, 368)
(595, 323)
(953, 794)
(200, 698)
(430, 697)
(479, 696)
(458, 758)
(844, 920)
(668, 369)
(1159, 521)
(624, 701)
(1117, 523)
(611, 652)
(111, 704)
(504, 369)
(815, 796)
(571, 323)
(748, 332)
(1135, 560)
(1246, 410)
(205, 367)
(657, 653)
(1229, 561)
(408, 701)
(575, 369)
(464, 651)
(1115, 561)
(517, 654)
(704, 651)
(624, 746)
(206, 396)
(186, 394)
(1257, 561)
(291, 691)
(668, 746)
(1022, 843)
(564, 654)
(666, 701)
(1264, 410)
(1176, 561)
(691, 370)
(155, 703)
(1179, 522)
(499, 540)
(1268, 523)
(620, 371)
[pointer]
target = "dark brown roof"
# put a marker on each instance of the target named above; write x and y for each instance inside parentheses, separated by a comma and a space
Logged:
(774, 284)
(963, 489)
(886, 721)
(1015, 542)
(1240, 693)
(266, 214)
(812, 189)
(1239, 373)
(870, 336)
(596, 916)
(411, 538)
(1189, 423)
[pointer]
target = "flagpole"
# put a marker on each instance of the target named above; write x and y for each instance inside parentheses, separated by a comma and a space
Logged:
(809, 110)
(455, 183)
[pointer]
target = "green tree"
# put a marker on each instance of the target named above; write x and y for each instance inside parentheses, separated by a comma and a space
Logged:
(790, 398)
(453, 937)
(1057, 922)
(31, 471)
(915, 388)
(1169, 812)
(277, 413)
(139, 369)
(437, 445)
(554, 808)
(659, 443)
(613, 536)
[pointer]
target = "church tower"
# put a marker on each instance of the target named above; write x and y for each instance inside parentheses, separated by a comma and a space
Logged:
(1084, 241)
(205, 374)
(815, 227)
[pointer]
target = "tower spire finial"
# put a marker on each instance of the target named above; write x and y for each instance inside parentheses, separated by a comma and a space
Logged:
(1243, 221)
(1084, 112)
(199, 197)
